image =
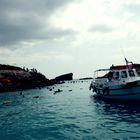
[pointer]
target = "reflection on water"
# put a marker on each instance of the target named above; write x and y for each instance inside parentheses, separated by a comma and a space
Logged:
(119, 106)
(120, 117)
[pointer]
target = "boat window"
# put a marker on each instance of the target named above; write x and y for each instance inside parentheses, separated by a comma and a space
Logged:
(116, 75)
(131, 73)
(123, 74)
(110, 75)
(138, 72)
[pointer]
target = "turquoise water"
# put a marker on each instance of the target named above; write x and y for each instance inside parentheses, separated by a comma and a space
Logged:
(73, 114)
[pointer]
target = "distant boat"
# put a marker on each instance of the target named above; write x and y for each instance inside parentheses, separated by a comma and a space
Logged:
(118, 82)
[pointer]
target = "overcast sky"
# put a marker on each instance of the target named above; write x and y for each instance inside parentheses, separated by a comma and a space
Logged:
(62, 36)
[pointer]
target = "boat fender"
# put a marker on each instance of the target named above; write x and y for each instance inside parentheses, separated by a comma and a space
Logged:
(90, 87)
(106, 91)
(94, 89)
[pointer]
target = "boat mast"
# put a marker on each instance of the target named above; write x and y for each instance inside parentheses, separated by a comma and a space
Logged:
(126, 61)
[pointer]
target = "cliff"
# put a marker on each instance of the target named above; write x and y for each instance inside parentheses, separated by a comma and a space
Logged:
(14, 78)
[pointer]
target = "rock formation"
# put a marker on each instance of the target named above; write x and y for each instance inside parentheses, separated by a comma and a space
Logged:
(68, 76)
(15, 78)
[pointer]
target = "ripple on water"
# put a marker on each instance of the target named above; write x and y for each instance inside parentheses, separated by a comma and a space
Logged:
(74, 115)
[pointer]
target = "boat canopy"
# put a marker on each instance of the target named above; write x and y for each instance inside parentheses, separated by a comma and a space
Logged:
(117, 67)
(120, 67)
(102, 70)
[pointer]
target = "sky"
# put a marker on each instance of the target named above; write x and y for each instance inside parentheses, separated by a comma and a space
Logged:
(62, 36)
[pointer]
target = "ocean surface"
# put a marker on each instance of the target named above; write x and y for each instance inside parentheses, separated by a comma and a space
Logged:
(71, 114)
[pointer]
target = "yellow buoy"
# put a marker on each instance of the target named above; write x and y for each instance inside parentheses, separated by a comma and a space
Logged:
(7, 102)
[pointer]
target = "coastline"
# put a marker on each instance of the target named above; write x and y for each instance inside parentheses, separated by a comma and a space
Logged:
(14, 78)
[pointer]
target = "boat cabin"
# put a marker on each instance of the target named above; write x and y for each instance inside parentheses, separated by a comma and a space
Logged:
(122, 74)
(117, 74)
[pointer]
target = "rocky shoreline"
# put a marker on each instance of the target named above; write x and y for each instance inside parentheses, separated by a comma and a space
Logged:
(14, 78)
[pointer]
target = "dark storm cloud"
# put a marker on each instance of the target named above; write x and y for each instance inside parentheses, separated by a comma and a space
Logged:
(27, 20)
(101, 28)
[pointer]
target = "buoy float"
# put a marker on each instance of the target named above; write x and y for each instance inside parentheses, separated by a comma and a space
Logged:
(7, 102)
(36, 97)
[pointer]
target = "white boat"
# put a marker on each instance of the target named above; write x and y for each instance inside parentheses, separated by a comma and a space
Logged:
(118, 82)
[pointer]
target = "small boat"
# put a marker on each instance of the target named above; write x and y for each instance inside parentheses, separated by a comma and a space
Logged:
(118, 82)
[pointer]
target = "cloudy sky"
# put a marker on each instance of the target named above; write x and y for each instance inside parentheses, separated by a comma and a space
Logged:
(61, 36)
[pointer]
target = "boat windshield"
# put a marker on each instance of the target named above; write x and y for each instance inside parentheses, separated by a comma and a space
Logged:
(101, 73)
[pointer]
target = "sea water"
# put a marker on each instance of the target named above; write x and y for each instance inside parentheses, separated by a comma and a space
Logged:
(71, 114)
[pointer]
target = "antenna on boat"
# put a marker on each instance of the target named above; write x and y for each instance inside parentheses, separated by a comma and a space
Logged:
(126, 61)
(124, 55)
(123, 51)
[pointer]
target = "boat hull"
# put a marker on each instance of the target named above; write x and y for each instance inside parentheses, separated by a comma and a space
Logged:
(130, 91)
(122, 97)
